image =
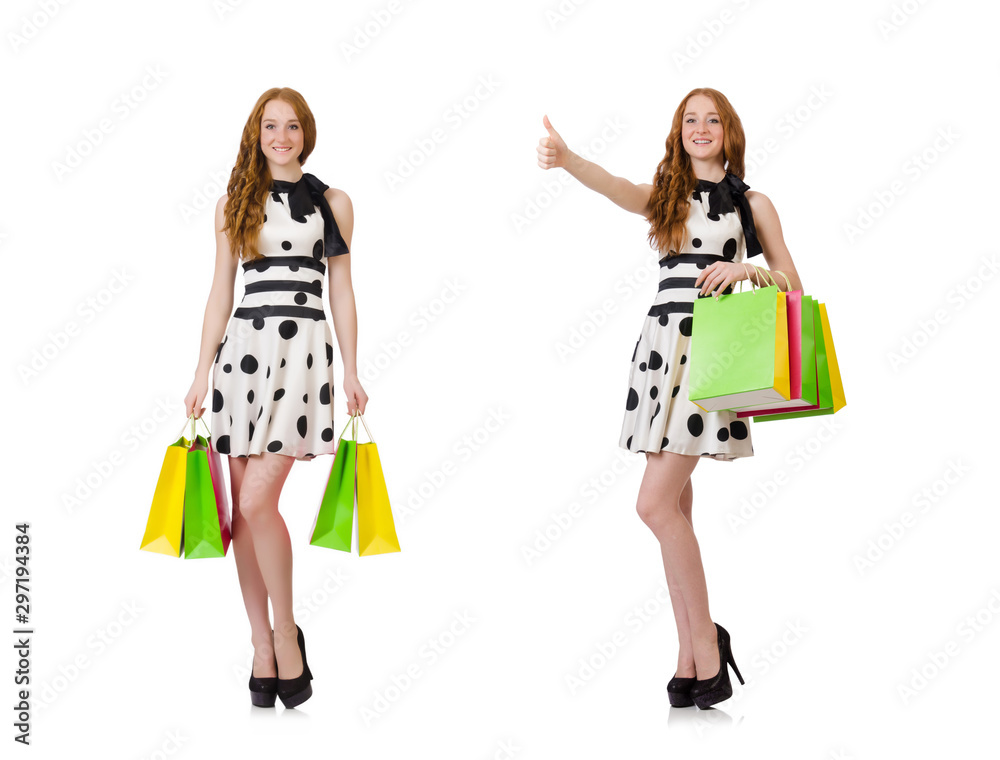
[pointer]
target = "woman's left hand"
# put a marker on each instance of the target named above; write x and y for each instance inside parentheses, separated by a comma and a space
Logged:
(357, 399)
(718, 276)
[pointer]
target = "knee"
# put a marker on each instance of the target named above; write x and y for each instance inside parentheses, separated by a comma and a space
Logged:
(252, 508)
(656, 512)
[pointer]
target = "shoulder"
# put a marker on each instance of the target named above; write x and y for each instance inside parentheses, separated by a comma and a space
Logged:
(340, 202)
(760, 205)
(220, 206)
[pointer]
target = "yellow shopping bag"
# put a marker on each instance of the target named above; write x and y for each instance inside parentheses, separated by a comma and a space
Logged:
(164, 525)
(376, 529)
(836, 384)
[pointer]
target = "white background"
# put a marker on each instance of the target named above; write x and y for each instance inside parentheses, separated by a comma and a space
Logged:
(110, 239)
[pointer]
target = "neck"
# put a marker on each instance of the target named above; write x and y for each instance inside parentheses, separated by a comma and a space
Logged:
(713, 171)
(286, 174)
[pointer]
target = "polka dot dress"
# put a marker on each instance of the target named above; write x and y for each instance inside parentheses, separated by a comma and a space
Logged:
(658, 414)
(273, 373)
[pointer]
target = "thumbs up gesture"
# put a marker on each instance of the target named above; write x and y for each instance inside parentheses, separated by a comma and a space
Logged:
(552, 150)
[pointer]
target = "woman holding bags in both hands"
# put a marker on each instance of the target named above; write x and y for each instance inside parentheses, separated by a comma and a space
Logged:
(272, 368)
(702, 219)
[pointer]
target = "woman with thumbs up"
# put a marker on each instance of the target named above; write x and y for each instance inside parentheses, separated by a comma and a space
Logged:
(702, 224)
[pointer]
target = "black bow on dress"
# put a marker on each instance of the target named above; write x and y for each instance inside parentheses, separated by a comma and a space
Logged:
(728, 195)
(303, 196)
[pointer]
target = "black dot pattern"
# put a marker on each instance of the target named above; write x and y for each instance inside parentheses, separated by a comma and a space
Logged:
(659, 414)
(272, 392)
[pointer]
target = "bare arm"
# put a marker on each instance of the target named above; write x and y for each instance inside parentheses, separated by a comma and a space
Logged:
(776, 253)
(217, 313)
(552, 152)
(343, 308)
(220, 298)
(342, 304)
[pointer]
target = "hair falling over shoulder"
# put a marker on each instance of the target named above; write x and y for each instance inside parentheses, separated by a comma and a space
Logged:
(675, 180)
(250, 180)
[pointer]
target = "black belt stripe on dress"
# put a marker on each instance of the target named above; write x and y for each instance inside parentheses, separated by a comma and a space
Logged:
(677, 282)
(683, 307)
(691, 258)
(278, 310)
(261, 286)
(285, 261)
(685, 282)
(659, 309)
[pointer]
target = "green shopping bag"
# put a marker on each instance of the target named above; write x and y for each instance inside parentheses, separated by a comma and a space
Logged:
(333, 525)
(207, 526)
(830, 389)
(739, 349)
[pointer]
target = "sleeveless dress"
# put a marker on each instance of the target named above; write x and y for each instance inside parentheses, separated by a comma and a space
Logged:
(273, 373)
(658, 414)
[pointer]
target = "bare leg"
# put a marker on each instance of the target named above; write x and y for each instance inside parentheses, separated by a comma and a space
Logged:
(665, 485)
(251, 581)
(261, 487)
(685, 651)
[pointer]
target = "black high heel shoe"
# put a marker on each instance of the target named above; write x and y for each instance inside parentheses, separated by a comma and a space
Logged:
(707, 692)
(679, 691)
(295, 691)
(263, 691)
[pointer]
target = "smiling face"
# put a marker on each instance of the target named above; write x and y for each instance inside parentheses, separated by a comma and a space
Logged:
(280, 138)
(701, 129)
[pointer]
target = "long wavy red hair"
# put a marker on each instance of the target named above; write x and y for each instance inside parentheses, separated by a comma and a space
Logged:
(675, 181)
(250, 180)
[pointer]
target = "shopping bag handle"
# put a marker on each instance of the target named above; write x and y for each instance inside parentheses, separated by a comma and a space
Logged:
(753, 285)
(354, 430)
(788, 283)
(191, 421)
(765, 275)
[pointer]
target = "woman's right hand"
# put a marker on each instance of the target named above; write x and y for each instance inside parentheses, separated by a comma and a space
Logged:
(194, 398)
(552, 150)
